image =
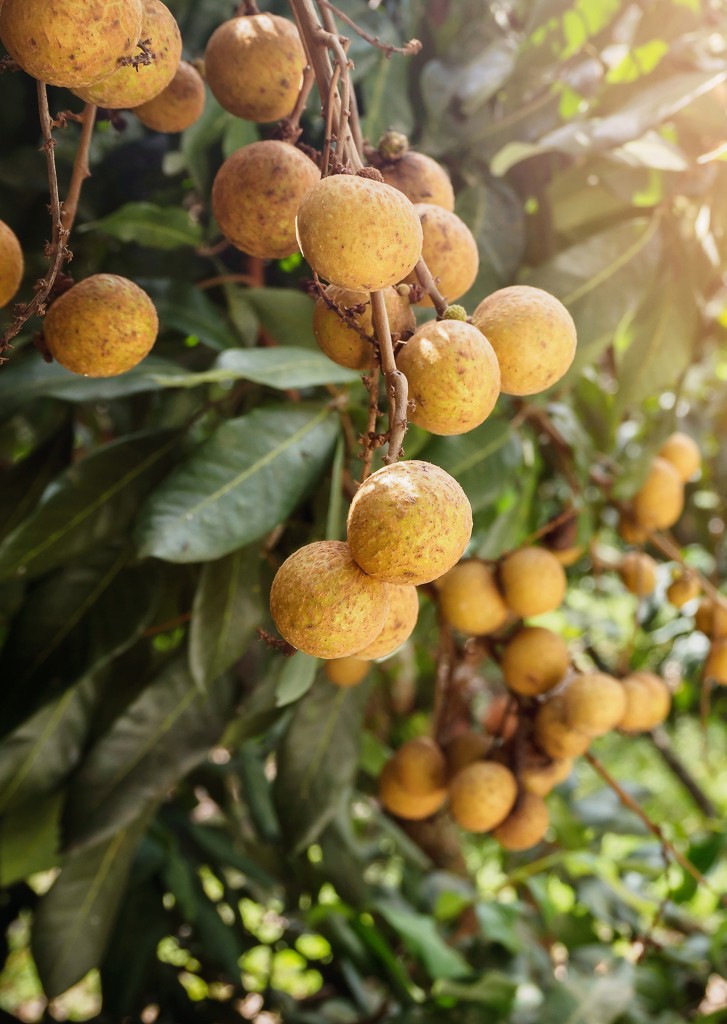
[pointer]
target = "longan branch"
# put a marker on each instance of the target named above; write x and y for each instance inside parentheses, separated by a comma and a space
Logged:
(408, 50)
(425, 279)
(81, 169)
(397, 388)
(372, 383)
(661, 742)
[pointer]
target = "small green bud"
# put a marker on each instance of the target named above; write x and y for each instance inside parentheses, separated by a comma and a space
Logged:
(454, 313)
(393, 145)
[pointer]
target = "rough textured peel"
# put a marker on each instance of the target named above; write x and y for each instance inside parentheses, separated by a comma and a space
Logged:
(648, 701)
(470, 599)
(660, 500)
(345, 672)
(482, 795)
(402, 803)
(533, 581)
(534, 661)
(421, 179)
(178, 106)
(526, 824)
(399, 624)
(449, 250)
(11, 264)
(344, 344)
(554, 735)
(638, 573)
(594, 703)
(683, 453)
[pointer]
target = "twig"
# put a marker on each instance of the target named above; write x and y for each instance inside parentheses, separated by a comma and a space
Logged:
(372, 383)
(354, 120)
(289, 129)
(247, 7)
(661, 742)
(425, 279)
(81, 170)
(408, 50)
(442, 677)
(213, 282)
(328, 132)
(397, 387)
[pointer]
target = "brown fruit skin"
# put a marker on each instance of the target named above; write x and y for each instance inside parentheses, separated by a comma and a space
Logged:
(540, 775)
(482, 795)
(638, 573)
(254, 66)
(346, 672)
(409, 523)
(449, 250)
(420, 766)
(129, 86)
(359, 233)
(715, 667)
(12, 264)
(101, 327)
(526, 824)
(256, 194)
(342, 343)
(533, 581)
(453, 376)
(70, 43)
(323, 604)
(410, 806)
(469, 599)
(465, 749)
(533, 335)
(683, 590)
(683, 453)
(421, 179)
(630, 531)
(594, 703)
(534, 661)
(554, 735)
(178, 106)
(399, 624)
(659, 502)
(648, 702)
(711, 618)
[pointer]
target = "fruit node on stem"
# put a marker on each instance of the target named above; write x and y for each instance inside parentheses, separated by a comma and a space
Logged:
(145, 58)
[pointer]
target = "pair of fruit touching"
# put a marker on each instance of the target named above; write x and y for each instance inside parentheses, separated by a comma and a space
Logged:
(659, 502)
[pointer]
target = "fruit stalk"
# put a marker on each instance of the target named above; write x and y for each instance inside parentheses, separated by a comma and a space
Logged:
(81, 170)
(425, 279)
(397, 389)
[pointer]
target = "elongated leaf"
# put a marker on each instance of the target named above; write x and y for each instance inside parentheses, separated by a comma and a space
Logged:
(479, 459)
(279, 368)
(166, 731)
(191, 312)
(73, 920)
(93, 501)
(149, 225)
(30, 839)
(241, 483)
(421, 938)
(296, 679)
(317, 760)
(286, 314)
(493, 989)
(494, 213)
(227, 607)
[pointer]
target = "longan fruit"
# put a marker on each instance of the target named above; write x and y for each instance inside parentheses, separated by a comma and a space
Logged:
(630, 531)
(683, 453)
(178, 106)
(421, 179)
(594, 703)
(554, 735)
(344, 344)
(345, 672)
(533, 581)
(359, 233)
(638, 573)
(420, 766)
(482, 795)
(323, 604)
(683, 589)
(129, 86)
(70, 43)
(254, 66)
(648, 701)
(465, 749)
(534, 660)
(398, 626)
(533, 335)
(449, 250)
(715, 667)
(470, 600)
(256, 195)
(501, 717)
(12, 264)
(453, 376)
(402, 803)
(101, 327)
(526, 824)
(660, 500)
(568, 556)
(539, 774)
(711, 618)
(409, 523)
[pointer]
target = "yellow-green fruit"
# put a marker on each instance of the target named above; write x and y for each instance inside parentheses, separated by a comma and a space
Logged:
(659, 502)
(178, 106)
(716, 665)
(594, 703)
(70, 43)
(420, 766)
(421, 179)
(540, 775)
(402, 803)
(638, 573)
(344, 344)
(453, 376)
(11, 264)
(409, 523)
(256, 194)
(470, 600)
(554, 735)
(631, 531)
(482, 795)
(683, 589)
(359, 233)
(533, 581)
(254, 66)
(101, 327)
(449, 251)
(345, 672)
(130, 86)
(533, 335)
(683, 453)
(526, 824)
(648, 701)
(323, 604)
(711, 618)
(465, 749)
(399, 624)
(534, 661)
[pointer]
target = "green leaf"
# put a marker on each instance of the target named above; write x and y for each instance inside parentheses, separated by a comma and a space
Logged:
(493, 211)
(93, 501)
(73, 921)
(149, 225)
(191, 312)
(317, 760)
(30, 839)
(479, 459)
(227, 608)
(588, 998)
(493, 989)
(420, 936)
(239, 484)
(286, 314)
(296, 678)
(284, 367)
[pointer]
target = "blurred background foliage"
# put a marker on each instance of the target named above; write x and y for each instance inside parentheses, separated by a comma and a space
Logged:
(210, 805)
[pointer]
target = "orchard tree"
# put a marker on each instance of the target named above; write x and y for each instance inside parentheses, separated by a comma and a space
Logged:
(362, 630)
